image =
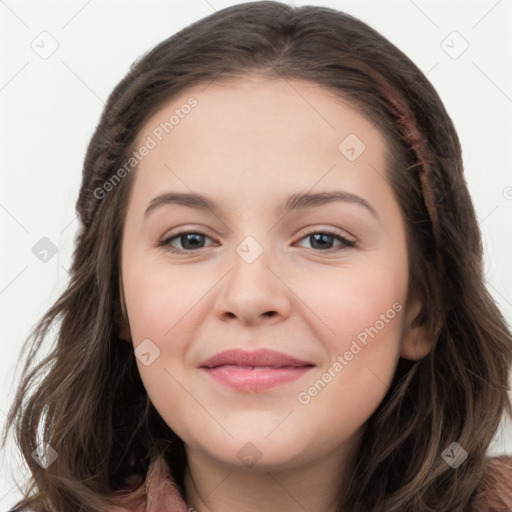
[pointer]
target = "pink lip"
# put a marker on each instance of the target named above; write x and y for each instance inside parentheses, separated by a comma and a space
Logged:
(254, 371)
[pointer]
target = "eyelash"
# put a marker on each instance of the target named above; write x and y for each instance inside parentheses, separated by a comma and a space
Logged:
(166, 241)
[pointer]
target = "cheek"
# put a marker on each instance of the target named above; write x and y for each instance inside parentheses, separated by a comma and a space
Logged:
(162, 304)
(364, 307)
(160, 310)
(160, 299)
(354, 303)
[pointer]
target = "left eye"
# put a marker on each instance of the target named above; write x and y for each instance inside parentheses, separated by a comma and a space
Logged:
(191, 240)
(321, 238)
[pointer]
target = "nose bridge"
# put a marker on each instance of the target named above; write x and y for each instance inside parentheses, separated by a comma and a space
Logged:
(251, 288)
(251, 263)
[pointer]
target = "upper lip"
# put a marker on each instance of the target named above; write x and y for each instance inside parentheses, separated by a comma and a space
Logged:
(260, 357)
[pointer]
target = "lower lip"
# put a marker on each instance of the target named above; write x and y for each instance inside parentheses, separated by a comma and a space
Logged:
(257, 379)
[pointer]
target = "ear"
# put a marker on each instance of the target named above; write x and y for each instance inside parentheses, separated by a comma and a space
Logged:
(123, 324)
(417, 338)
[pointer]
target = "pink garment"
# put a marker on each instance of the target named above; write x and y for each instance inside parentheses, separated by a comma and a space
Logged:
(161, 494)
(158, 494)
(496, 486)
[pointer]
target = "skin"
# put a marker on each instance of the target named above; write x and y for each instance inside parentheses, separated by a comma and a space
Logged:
(249, 143)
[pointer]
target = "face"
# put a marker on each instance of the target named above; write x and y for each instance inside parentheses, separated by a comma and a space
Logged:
(306, 294)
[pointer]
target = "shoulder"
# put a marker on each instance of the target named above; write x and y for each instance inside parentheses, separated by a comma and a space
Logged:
(495, 490)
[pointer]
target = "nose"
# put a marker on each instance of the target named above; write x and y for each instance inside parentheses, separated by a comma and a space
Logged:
(253, 292)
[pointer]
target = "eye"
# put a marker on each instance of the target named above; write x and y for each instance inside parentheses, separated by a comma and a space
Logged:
(321, 240)
(190, 240)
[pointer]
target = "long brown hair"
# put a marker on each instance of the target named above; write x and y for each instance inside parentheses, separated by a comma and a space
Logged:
(86, 396)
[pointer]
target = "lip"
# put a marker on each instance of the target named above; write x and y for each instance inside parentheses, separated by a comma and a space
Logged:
(254, 371)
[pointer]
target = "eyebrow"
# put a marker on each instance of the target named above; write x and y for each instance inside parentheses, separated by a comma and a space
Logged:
(297, 201)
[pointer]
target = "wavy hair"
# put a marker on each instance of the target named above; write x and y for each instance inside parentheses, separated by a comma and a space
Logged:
(86, 397)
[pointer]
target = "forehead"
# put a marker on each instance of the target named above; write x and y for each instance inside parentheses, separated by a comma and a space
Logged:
(254, 133)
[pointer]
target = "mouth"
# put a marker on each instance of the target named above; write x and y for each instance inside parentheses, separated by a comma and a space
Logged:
(254, 371)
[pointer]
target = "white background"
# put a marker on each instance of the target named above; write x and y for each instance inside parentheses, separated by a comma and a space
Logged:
(51, 106)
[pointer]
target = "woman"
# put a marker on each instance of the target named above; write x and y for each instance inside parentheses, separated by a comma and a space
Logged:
(255, 372)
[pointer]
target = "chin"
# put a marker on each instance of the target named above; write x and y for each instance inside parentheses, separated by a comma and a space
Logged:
(257, 452)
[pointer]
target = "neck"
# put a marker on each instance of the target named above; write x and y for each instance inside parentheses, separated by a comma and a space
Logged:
(213, 486)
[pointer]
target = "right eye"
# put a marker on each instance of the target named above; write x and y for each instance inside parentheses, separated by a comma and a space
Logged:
(190, 241)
